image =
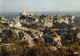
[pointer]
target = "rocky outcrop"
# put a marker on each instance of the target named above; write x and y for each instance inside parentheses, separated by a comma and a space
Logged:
(35, 33)
(24, 14)
(57, 40)
(15, 23)
(22, 35)
(65, 18)
(47, 22)
(78, 35)
(2, 19)
(23, 27)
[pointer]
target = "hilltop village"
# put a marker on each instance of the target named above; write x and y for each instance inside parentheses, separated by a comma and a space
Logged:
(32, 29)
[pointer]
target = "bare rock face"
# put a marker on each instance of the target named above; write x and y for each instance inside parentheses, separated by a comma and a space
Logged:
(36, 33)
(72, 19)
(2, 19)
(15, 23)
(65, 18)
(24, 14)
(54, 39)
(47, 22)
(57, 40)
(60, 20)
(78, 35)
(22, 35)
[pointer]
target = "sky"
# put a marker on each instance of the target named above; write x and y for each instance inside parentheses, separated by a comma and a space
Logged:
(39, 5)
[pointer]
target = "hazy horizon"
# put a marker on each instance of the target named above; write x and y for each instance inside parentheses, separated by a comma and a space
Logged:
(13, 14)
(8, 6)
